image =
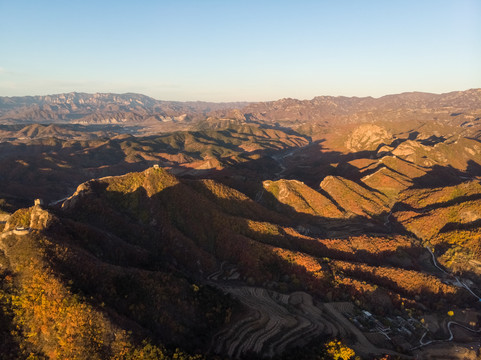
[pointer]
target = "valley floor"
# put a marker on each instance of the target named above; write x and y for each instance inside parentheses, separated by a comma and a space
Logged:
(274, 322)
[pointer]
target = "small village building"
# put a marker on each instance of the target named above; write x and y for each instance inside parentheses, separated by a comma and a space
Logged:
(367, 313)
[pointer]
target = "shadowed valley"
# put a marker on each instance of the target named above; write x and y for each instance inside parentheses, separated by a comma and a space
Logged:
(253, 230)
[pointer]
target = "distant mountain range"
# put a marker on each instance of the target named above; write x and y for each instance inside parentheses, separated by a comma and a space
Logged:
(82, 108)
(131, 108)
(341, 109)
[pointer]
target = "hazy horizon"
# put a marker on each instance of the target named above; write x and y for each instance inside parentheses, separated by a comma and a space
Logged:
(232, 51)
(240, 101)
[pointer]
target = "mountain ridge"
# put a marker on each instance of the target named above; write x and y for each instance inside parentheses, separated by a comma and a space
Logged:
(79, 107)
(196, 235)
(242, 234)
(88, 108)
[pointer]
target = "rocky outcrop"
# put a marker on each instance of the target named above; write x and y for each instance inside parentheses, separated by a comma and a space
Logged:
(40, 219)
(24, 220)
(367, 137)
(82, 190)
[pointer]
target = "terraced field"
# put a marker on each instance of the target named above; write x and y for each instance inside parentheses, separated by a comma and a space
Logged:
(275, 321)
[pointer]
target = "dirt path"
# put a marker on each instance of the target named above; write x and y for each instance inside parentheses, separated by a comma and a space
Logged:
(4, 247)
(451, 335)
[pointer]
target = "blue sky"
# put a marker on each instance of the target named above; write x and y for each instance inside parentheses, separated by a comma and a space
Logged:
(239, 50)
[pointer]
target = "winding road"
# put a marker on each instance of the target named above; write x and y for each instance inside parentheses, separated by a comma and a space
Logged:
(451, 335)
(461, 283)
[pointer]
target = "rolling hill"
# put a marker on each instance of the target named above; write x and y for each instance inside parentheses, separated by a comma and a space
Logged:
(258, 230)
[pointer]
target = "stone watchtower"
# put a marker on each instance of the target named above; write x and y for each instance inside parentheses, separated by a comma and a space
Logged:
(38, 202)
